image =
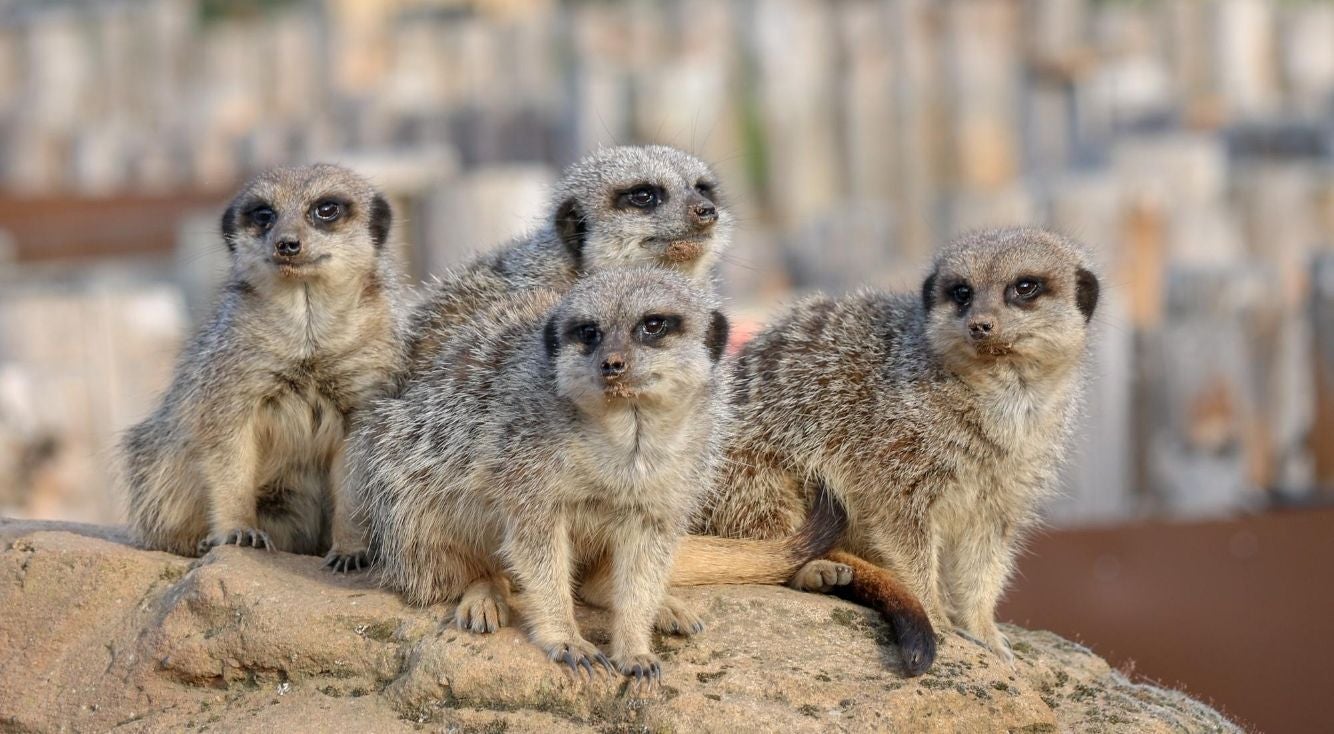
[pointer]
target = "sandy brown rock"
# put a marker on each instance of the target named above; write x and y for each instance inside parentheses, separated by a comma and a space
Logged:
(96, 635)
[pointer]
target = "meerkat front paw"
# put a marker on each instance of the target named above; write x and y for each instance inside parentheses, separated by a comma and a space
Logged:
(242, 537)
(481, 611)
(341, 562)
(821, 576)
(676, 618)
(579, 655)
(645, 669)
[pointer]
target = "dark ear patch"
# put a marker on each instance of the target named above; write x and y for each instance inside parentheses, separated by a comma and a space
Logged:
(549, 338)
(382, 216)
(1086, 292)
(572, 229)
(716, 340)
(229, 228)
(929, 292)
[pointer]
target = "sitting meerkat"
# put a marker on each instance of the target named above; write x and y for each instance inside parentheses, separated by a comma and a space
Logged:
(245, 446)
(940, 420)
(562, 443)
(618, 207)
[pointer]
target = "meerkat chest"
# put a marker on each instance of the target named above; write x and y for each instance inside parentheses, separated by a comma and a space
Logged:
(640, 456)
(1010, 468)
(298, 422)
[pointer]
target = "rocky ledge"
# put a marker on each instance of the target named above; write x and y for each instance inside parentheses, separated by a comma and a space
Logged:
(96, 635)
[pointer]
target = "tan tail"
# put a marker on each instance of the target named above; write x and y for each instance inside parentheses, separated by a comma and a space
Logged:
(706, 559)
(881, 590)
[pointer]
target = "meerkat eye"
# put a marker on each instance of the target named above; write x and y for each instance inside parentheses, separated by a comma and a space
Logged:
(588, 335)
(263, 217)
(642, 197)
(655, 327)
(705, 189)
(1027, 288)
(327, 211)
(962, 295)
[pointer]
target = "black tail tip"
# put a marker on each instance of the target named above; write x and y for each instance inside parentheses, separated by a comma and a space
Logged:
(917, 646)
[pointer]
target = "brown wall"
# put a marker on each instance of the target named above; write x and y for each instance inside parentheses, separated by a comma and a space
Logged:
(1239, 613)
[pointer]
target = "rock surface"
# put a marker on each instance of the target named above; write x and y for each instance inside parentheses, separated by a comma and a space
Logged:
(96, 635)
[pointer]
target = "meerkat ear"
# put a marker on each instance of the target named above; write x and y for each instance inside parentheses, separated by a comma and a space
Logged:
(549, 338)
(929, 292)
(1086, 292)
(717, 336)
(229, 228)
(382, 216)
(572, 229)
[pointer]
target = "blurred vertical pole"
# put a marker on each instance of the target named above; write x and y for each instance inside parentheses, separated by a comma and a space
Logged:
(917, 29)
(1322, 314)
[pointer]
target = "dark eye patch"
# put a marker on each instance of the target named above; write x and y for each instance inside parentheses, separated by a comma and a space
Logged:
(1025, 290)
(587, 334)
(706, 189)
(654, 327)
(643, 196)
(261, 216)
(328, 211)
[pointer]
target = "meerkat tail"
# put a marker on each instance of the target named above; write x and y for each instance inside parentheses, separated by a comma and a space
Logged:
(879, 589)
(704, 559)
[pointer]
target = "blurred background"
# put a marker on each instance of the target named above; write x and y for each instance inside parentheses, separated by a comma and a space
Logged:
(1189, 143)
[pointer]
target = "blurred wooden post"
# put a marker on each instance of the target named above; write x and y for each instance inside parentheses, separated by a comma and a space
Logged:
(1321, 437)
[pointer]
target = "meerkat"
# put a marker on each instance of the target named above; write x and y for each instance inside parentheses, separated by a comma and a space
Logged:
(940, 420)
(245, 446)
(559, 439)
(617, 207)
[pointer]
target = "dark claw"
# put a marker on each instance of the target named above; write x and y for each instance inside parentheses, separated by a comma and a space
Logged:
(586, 666)
(676, 628)
(606, 662)
(697, 627)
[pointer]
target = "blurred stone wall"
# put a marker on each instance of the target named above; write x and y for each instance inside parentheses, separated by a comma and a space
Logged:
(1190, 144)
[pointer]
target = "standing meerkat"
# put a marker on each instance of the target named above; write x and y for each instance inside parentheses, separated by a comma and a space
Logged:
(562, 443)
(245, 446)
(939, 420)
(617, 207)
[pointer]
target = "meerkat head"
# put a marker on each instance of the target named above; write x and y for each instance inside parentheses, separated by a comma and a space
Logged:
(1020, 296)
(634, 335)
(297, 223)
(650, 205)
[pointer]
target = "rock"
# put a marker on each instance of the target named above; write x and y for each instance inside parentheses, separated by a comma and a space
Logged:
(95, 634)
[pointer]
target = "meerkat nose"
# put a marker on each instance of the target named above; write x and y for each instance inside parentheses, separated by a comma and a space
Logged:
(705, 213)
(613, 367)
(287, 246)
(980, 328)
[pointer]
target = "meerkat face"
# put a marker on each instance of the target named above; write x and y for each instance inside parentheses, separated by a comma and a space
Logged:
(650, 205)
(642, 335)
(1023, 296)
(294, 224)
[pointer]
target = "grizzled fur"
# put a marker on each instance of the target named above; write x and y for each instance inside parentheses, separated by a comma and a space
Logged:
(939, 418)
(600, 218)
(556, 442)
(245, 446)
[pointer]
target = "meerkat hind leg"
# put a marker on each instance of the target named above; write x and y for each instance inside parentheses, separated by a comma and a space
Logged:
(821, 576)
(674, 617)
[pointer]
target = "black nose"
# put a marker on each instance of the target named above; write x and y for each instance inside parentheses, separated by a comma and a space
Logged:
(287, 247)
(705, 213)
(979, 329)
(613, 367)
